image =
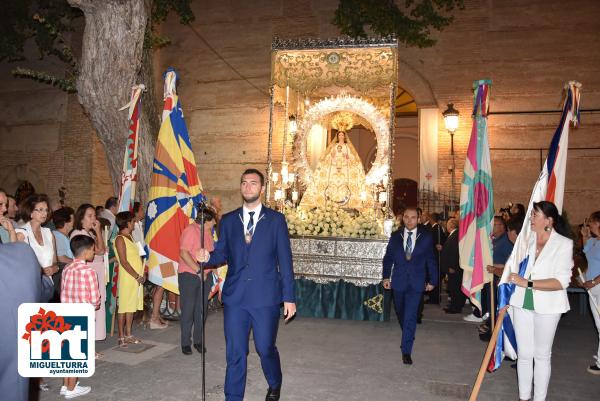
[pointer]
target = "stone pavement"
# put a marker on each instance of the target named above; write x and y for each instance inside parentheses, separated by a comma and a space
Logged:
(339, 360)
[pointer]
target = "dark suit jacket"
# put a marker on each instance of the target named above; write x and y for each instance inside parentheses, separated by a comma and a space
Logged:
(260, 273)
(410, 274)
(449, 258)
(20, 282)
(438, 234)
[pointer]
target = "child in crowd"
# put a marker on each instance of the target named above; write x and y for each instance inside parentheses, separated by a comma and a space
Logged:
(79, 285)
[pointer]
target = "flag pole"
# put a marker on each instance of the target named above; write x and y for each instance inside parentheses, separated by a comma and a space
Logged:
(201, 209)
(492, 304)
(582, 279)
(486, 357)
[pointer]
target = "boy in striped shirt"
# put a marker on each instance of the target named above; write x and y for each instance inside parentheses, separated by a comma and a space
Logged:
(79, 285)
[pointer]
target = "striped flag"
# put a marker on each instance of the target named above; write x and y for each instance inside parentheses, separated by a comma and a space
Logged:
(477, 201)
(129, 175)
(126, 194)
(550, 186)
(174, 193)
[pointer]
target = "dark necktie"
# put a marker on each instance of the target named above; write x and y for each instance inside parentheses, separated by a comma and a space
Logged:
(408, 249)
(250, 227)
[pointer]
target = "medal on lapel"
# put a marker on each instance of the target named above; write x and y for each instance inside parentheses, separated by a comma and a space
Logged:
(248, 237)
(408, 257)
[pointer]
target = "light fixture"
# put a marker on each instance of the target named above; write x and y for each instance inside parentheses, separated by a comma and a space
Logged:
(451, 123)
(451, 118)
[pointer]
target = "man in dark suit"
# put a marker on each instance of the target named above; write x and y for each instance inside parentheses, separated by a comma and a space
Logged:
(408, 259)
(439, 237)
(254, 242)
(20, 283)
(450, 263)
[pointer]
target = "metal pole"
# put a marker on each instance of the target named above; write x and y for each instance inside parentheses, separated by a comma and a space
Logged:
(201, 208)
(452, 176)
(270, 151)
(390, 183)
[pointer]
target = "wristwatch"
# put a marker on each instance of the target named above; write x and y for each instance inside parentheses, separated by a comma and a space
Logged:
(529, 284)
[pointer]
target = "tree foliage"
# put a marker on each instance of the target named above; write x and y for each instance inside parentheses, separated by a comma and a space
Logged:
(46, 22)
(411, 25)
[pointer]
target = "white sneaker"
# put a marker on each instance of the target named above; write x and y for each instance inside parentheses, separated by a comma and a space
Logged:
(77, 391)
(472, 318)
(63, 389)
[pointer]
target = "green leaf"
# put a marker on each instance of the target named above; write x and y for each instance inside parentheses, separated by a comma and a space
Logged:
(411, 25)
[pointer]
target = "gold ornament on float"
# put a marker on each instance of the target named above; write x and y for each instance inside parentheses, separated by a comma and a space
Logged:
(343, 121)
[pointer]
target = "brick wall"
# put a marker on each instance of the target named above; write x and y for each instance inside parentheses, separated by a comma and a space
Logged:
(528, 49)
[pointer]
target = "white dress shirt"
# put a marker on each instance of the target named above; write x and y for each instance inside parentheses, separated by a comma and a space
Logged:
(413, 237)
(246, 216)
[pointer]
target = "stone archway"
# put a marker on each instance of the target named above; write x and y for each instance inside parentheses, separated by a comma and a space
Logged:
(425, 124)
(416, 84)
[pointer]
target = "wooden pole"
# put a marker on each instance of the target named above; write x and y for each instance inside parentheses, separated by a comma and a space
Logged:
(112, 322)
(486, 357)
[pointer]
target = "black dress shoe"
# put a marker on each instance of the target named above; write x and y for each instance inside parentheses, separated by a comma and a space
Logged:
(186, 349)
(273, 394)
(406, 359)
(199, 348)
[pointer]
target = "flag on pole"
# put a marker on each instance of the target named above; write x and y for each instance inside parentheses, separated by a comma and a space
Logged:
(550, 186)
(129, 175)
(126, 194)
(174, 192)
(477, 201)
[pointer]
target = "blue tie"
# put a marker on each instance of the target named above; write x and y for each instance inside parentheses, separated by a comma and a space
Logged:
(408, 249)
(250, 227)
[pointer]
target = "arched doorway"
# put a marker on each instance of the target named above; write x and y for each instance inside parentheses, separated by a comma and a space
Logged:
(405, 194)
(405, 161)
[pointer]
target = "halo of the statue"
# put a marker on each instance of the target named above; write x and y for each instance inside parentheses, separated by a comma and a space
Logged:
(353, 104)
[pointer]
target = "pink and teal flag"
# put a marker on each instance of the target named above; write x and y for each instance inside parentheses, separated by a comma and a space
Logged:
(550, 186)
(477, 201)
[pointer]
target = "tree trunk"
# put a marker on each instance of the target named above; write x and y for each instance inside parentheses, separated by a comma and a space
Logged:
(113, 60)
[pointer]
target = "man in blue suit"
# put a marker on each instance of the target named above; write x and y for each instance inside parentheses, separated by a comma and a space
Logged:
(20, 282)
(408, 260)
(254, 242)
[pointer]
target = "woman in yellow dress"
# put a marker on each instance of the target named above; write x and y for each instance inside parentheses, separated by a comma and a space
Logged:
(131, 277)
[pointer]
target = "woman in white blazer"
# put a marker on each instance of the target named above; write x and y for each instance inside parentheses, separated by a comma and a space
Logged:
(540, 298)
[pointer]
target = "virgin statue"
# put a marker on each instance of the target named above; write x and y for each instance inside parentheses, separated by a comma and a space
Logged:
(339, 178)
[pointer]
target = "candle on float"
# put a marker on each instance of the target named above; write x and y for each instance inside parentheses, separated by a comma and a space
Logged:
(275, 177)
(382, 197)
(363, 196)
(294, 196)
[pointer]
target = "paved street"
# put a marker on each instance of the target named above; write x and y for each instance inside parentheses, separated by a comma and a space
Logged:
(337, 360)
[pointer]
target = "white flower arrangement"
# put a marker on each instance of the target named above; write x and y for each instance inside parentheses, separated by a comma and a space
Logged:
(332, 221)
